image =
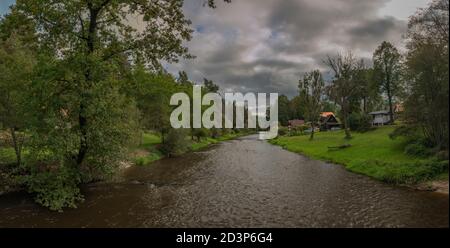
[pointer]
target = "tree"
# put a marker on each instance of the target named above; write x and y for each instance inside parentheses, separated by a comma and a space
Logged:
(152, 92)
(16, 66)
(296, 109)
(283, 110)
(183, 78)
(345, 84)
(311, 91)
(80, 33)
(370, 91)
(387, 70)
(84, 115)
(209, 86)
(427, 63)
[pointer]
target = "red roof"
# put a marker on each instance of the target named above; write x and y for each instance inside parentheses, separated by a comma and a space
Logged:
(326, 114)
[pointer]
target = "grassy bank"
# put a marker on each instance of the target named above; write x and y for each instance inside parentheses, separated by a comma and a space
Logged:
(373, 154)
(148, 151)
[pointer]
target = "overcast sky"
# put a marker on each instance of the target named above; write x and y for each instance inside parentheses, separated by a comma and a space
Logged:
(266, 45)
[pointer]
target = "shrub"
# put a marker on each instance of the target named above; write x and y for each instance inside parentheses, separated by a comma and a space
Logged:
(299, 130)
(417, 149)
(200, 133)
(401, 173)
(215, 133)
(175, 143)
(360, 122)
(283, 131)
(55, 188)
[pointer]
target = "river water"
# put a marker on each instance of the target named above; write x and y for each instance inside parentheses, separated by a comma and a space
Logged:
(240, 183)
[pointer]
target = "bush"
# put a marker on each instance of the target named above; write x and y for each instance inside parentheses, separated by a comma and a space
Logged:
(200, 133)
(299, 130)
(54, 188)
(402, 173)
(175, 143)
(417, 149)
(411, 133)
(215, 133)
(360, 122)
(283, 131)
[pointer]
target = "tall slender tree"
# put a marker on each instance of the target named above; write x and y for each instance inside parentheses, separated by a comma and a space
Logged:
(311, 91)
(387, 71)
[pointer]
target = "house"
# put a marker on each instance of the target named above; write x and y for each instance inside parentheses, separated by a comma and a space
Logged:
(328, 121)
(380, 118)
(296, 123)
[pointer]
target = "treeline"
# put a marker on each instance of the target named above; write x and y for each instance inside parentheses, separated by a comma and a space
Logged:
(79, 83)
(416, 81)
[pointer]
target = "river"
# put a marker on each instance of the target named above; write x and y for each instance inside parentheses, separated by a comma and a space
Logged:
(239, 183)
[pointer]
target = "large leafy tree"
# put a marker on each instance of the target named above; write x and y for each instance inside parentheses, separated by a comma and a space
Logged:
(84, 112)
(387, 71)
(16, 65)
(311, 92)
(94, 38)
(428, 72)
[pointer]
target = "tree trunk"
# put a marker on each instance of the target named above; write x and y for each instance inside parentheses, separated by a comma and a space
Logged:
(389, 93)
(82, 120)
(312, 131)
(17, 146)
(348, 135)
(391, 108)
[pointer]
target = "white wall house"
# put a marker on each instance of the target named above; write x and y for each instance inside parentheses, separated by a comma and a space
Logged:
(380, 118)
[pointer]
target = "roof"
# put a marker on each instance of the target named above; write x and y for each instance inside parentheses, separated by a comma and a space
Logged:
(326, 114)
(382, 112)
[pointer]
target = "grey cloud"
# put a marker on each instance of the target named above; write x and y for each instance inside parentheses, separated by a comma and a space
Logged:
(266, 45)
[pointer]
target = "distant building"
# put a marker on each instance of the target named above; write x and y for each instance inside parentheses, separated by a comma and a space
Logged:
(328, 121)
(380, 118)
(296, 123)
(399, 108)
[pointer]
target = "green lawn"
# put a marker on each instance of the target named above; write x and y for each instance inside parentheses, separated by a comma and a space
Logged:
(148, 149)
(373, 154)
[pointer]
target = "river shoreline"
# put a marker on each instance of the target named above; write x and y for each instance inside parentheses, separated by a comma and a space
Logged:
(437, 186)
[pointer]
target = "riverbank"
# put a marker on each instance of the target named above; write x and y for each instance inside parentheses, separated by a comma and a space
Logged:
(148, 151)
(144, 154)
(372, 154)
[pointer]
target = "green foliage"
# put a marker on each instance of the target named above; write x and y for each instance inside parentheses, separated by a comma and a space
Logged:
(311, 89)
(175, 143)
(373, 154)
(360, 122)
(345, 87)
(417, 149)
(402, 173)
(55, 187)
(283, 131)
(146, 160)
(427, 71)
(200, 133)
(7, 156)
(387, 72)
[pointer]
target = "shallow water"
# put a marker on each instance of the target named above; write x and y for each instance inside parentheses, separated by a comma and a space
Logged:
(240, 183)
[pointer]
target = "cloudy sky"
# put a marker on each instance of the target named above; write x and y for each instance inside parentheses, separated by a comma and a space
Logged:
(266, 45)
